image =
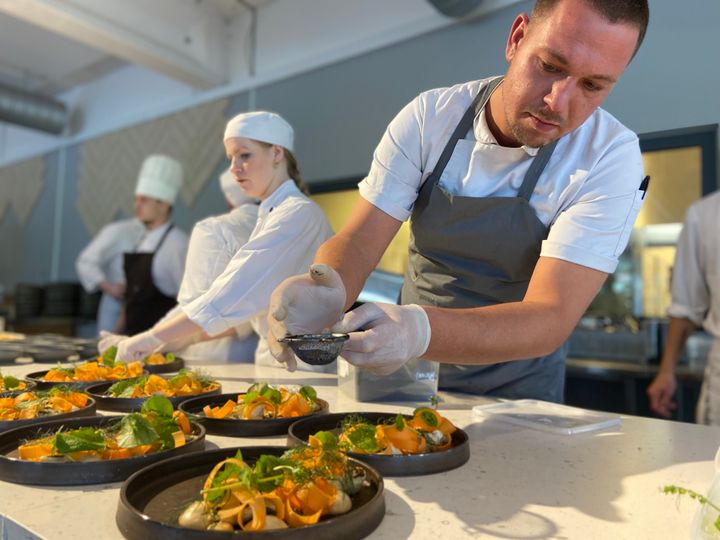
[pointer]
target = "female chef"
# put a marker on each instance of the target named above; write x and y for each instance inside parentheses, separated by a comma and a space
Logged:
(289, 229)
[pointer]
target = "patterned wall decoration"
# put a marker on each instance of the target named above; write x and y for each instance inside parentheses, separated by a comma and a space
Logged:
(20, 186)
(110, 163)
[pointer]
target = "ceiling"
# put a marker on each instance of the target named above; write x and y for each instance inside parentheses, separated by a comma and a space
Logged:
(51, 46)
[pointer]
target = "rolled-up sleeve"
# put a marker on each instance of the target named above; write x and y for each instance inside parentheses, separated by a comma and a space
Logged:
(690, 292)
(594, 229)
(89, 264)
(396, 171)
(282, 245)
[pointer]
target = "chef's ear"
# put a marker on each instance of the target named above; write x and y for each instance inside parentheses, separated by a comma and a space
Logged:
(278, 154)
(518, 31)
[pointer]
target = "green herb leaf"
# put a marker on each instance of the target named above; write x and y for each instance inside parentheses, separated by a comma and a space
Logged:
(159, 405)
(309, 393)
(108, 357)
(399, 422)
(135, 430)
(10, 382)
(428, 417)
(125, 387)
(78, 440)
(328, 439)
(362, 437)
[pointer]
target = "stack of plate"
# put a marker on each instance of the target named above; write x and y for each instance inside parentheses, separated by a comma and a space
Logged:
(28, 300)
(60, 299)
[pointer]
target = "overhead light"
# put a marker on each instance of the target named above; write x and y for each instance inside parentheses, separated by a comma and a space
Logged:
(33, 111)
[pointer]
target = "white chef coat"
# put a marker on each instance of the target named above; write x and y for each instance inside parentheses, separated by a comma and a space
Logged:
(102, 260)
(289, 230)
(213, 243)
(696, 290)
(588, 194)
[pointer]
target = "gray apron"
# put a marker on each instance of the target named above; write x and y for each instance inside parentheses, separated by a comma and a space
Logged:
(468, 252)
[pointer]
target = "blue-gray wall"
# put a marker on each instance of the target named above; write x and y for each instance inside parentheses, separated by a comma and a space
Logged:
(340, 111)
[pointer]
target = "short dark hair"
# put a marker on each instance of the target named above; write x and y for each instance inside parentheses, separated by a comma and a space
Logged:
(634, 12)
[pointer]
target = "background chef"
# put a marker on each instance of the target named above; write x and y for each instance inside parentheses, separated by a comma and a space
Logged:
(156, 251)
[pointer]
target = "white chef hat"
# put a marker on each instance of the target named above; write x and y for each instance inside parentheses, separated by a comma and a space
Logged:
(232, 191)
(261, 126)
(160, 177)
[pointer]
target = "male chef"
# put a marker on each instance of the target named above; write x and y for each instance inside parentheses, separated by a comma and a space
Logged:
(521, 194)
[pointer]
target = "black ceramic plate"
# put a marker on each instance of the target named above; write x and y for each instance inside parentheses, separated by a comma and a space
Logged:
(29, 385)
(152, 499)
(118, 404)
(36, 377)
(87, 410)
(19, 471)
(396, 465)
(170, 367)
(240, 428)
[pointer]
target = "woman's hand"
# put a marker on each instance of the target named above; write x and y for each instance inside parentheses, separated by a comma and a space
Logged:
(383, 337)
(138, 347)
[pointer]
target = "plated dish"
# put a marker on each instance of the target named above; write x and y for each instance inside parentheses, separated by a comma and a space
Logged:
(129, 395)
(87, 373)
(396, 445)
(262, 410)
(301, 484)
(98, 449)
(34, 407)
(155, 363)
(13, 385)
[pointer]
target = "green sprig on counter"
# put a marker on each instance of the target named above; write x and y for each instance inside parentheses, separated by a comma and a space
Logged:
(678, 490)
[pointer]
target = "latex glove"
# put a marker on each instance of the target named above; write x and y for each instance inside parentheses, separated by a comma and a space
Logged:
(138, 347)
(661, 392)
(307, 304)
(383, 337)
(107, 340)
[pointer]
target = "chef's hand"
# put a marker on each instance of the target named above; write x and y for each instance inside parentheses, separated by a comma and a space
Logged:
(661, 392)
(116, 290)
(390, 335)
(307, 304)
(138, 347)
(107, 340)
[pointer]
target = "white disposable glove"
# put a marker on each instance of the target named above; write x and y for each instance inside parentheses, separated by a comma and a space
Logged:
(307, 304)
(388, 336)
(107, 340)
(138, 347)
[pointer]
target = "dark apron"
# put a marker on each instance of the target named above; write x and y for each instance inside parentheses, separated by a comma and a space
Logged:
(145, 304)
(468, 252)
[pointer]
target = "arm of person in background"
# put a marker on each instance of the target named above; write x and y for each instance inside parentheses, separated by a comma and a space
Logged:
(662, 388)
(690, 303)
(90, 262)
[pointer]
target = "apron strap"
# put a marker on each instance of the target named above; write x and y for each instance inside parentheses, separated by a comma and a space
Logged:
(536, 168)
(466, 123)
(160, 243)
(531, 176)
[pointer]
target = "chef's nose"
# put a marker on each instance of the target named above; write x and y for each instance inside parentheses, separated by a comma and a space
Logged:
(558, 98)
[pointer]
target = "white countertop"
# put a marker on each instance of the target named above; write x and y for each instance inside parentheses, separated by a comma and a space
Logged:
(518, 483)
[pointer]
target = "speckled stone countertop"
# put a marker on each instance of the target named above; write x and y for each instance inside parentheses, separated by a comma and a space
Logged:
(519, 483)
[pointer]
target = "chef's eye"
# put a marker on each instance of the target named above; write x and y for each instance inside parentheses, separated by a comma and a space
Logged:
(548, 67)
(591, 86)
(245, 157)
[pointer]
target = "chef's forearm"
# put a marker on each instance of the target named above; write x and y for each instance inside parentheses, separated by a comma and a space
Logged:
(679, 331)
(512, 331)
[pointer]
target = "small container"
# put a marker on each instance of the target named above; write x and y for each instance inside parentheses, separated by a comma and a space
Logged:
(416, 381)
(703, 527)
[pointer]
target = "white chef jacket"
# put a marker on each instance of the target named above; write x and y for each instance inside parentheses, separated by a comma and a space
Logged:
(696, 291)
(289, 230)
(588, 194)
(696, 272)
(213, 243)
(102, 259)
